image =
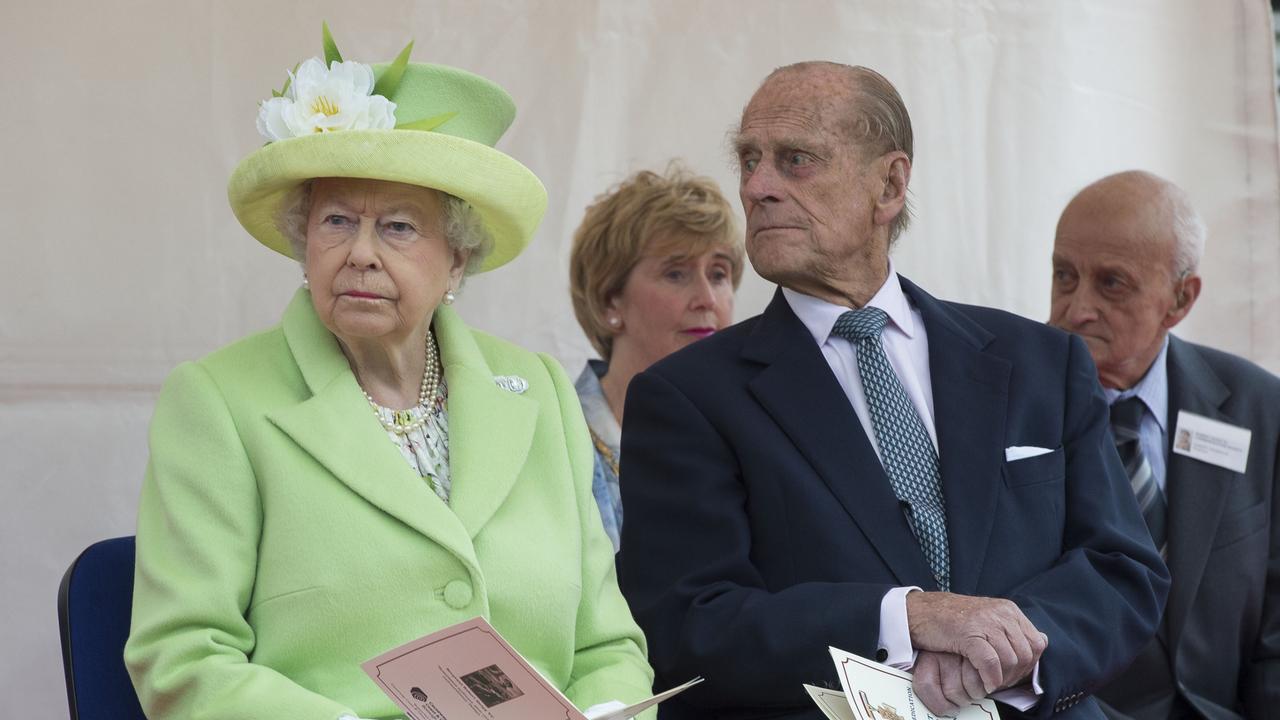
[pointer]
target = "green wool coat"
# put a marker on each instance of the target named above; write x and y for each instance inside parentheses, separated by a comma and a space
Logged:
(283, 539)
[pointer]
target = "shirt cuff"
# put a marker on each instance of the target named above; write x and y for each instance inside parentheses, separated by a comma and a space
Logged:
(1022, 697)
(895, 634)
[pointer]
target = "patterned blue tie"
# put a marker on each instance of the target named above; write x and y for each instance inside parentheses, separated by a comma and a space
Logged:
(905, 449)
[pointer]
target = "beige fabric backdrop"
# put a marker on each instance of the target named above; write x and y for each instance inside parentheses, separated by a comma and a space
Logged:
(123, 120)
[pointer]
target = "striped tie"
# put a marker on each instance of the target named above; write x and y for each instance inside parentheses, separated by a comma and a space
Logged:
(1126, 418)
(905, 448)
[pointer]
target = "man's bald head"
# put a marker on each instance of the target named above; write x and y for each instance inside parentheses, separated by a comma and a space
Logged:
(1158, 212)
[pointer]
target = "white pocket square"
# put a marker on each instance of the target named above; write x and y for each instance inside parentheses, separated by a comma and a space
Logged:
(1022, 452)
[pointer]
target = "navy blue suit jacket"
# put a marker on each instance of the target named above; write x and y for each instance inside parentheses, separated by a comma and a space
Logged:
(1218, 649)
(761, 526)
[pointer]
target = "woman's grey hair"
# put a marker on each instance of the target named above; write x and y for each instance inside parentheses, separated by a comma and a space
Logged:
(463, 227)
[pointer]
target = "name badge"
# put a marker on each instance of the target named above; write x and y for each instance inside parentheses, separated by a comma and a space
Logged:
(1211, 441)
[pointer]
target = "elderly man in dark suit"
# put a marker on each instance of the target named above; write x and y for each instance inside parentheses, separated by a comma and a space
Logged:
(868, 467)
(1124, 274)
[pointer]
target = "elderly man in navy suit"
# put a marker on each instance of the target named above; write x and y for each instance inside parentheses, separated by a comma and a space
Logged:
(868, 467)
(1125, 260)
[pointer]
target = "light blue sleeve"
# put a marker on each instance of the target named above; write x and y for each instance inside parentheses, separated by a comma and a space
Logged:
(610, 511)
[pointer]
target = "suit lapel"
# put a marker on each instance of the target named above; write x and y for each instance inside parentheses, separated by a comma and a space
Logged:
(799, 392)
(336, 427)
(490, 429)
(1197, 491)
(970, 397)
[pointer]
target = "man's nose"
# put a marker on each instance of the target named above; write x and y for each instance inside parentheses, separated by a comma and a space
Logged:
(1079, 307)
(762, 185)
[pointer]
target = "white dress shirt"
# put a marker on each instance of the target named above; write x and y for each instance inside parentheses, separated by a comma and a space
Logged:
(906, 344)
(904, 340)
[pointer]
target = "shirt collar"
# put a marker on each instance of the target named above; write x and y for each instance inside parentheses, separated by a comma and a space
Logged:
(595, 406)
(1152, 389)
(819, 316)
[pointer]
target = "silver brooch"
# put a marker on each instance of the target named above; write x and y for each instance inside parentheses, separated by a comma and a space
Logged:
(511, 383)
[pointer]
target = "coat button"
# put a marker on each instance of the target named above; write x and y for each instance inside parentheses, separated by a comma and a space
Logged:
(457, 594)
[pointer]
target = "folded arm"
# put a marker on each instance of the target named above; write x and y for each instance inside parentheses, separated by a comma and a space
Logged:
(1103, 599)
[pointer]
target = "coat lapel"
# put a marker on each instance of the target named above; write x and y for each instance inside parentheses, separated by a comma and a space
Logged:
(799, 392)
(490, 429)
(970, 396)
(1197, 491)
(337, 428)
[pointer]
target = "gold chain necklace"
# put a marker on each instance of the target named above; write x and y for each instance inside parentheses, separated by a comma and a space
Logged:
(605, 451)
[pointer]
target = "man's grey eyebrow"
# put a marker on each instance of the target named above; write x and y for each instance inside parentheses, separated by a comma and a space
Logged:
(810, 145)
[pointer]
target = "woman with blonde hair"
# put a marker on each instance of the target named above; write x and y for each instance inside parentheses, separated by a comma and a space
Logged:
(654, 267)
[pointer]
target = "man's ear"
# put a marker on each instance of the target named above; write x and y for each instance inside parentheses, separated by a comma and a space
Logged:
(895, 175)
(1184, 296)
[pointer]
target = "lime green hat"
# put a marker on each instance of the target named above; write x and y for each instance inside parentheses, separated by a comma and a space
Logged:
(438, 134)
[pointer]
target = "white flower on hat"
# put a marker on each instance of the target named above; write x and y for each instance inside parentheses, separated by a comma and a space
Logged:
(324, 99)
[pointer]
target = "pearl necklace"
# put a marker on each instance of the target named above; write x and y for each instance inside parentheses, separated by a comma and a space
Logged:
(403, 422)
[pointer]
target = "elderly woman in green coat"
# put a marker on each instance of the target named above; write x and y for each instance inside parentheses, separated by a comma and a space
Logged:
(371, 469)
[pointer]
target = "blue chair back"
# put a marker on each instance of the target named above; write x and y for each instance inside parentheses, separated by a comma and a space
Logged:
(94, 603)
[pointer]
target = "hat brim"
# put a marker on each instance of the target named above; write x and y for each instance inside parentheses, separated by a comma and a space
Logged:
(508, 196)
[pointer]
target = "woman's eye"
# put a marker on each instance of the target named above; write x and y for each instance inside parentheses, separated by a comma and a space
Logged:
(398, 227)
(674, 275)
(749, 164)
(336, 220)
(799, 159)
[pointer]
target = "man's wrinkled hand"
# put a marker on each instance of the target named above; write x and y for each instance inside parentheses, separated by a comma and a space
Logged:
(991, 634)
(945, 682)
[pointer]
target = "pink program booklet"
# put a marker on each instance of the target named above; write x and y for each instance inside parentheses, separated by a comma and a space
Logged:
(469, 672)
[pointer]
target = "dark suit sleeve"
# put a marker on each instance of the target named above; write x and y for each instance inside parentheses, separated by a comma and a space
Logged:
(1101, 602)
(1261, 690)
(687, 568)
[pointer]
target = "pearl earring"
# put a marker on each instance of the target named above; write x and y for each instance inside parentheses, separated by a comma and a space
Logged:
(306, 284)
(449, 297)
(615, 321)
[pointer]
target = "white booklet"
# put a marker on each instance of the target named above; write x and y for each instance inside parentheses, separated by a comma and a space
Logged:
(878, 692)
(469, 672)
(833, 703)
